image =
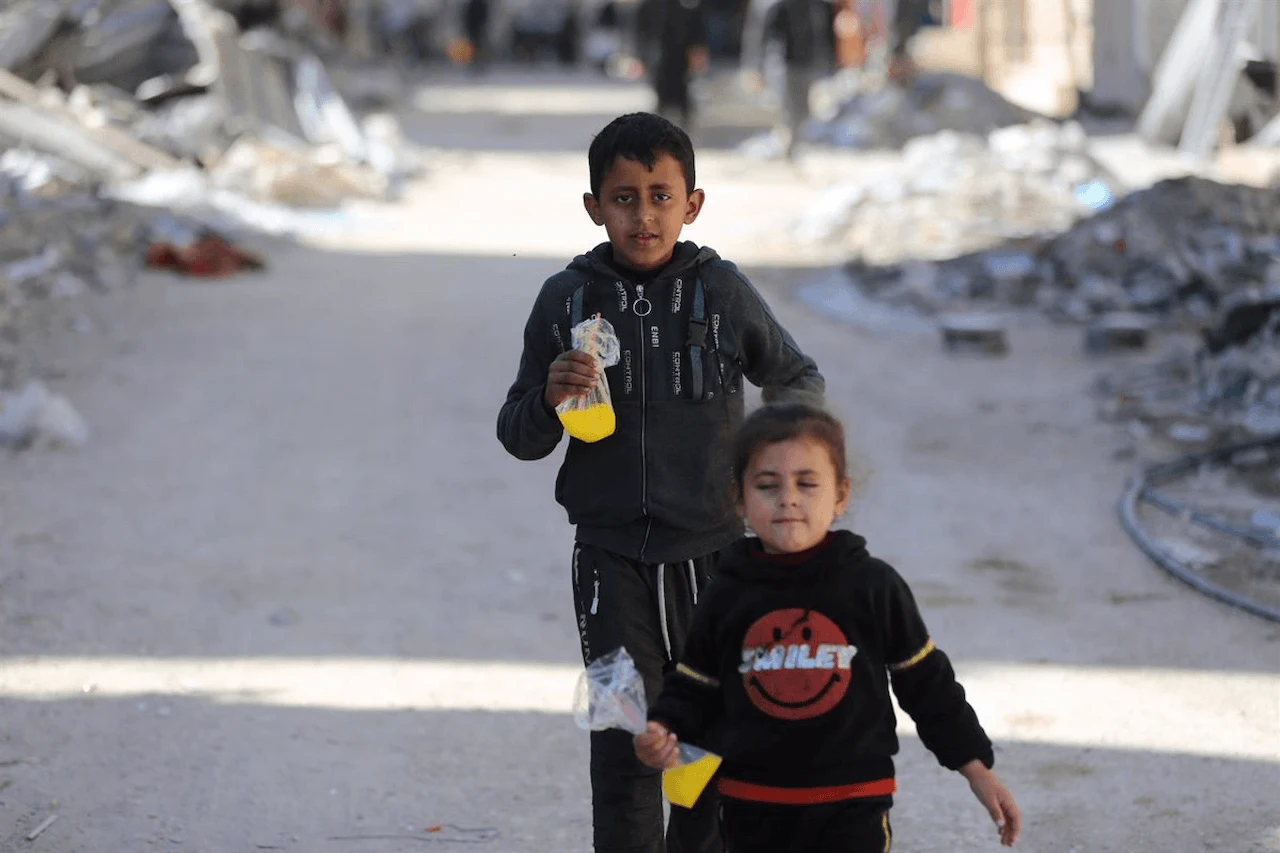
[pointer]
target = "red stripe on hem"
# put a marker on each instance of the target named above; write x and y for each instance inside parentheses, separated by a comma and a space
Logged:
(805, 796)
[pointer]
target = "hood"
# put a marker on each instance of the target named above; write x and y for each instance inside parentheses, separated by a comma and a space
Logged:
(746, 562)
(599, 261)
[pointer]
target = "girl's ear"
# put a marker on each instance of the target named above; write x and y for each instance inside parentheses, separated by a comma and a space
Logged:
(844, 493)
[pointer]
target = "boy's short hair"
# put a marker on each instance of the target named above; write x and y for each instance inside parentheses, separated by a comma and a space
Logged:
(642, 137)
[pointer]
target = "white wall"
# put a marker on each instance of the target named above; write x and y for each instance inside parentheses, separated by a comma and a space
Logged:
(1130, 35)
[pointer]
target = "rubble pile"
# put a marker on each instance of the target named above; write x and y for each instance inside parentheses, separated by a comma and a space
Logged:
(877, 115)
(1184, 248)
(1027, 220)
(141, 133)
(129, 87)
(1225, 390)
(57, 241)
(957, 193)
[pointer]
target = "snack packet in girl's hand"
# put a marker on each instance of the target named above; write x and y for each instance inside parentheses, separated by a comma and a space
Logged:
(610, 695)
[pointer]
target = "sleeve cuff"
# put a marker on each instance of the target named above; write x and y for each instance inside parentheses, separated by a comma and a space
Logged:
(662, 720)
(987, 757)
(544, 417)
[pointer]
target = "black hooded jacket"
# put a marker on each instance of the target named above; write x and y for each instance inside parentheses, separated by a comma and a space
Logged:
(658, 488)
(787, 668)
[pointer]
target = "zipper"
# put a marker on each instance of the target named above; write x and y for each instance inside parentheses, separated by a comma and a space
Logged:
(644, 412)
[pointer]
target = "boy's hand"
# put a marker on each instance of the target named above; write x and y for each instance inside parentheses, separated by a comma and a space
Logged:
(998, 799)
(573, 374)
(657, 747)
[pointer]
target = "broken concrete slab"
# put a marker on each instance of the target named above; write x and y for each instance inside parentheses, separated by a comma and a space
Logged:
(26, 28)
(35, 414)
(30, 125)
(1117, 332)
(58, 124)
(298, 177)
(982, 334)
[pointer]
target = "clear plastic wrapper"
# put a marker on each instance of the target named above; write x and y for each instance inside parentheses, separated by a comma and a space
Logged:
(610, 695)
(590, 417)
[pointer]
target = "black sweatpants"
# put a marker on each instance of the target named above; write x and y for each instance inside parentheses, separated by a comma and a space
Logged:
(851, 826)
(645, 608)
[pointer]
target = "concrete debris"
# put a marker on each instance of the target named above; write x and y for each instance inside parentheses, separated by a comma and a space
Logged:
(1175, 251)
(1118, 332)
(974, 333)
(148, 85)
(58, 239)
(39, 830)
(1184, 247)
(1227, 389)
(887, 116)
(36, 415)
(135, 133)
(956, 193)
(297, 177)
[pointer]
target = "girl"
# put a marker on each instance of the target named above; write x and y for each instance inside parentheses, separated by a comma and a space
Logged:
(788, 663)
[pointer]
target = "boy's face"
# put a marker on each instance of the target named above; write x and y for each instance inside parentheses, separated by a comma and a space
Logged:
(644, 210)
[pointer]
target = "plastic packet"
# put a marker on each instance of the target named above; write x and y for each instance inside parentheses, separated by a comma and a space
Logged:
(590, 417)
(610, 695)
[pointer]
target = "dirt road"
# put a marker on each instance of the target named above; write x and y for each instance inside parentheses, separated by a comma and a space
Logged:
(294, 596)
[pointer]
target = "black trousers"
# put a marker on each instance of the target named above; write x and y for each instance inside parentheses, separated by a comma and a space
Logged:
(645, 608)
(852, 826)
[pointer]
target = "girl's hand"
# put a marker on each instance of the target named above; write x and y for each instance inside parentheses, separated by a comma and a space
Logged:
(997, 799)
(657, 747)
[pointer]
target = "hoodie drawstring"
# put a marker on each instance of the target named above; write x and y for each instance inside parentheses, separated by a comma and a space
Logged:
(662, 609)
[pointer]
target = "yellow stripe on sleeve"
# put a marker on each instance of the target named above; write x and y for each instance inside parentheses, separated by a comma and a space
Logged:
(693, 675)
(914, 659)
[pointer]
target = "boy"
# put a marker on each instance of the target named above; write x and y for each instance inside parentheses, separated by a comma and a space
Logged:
(650, 502)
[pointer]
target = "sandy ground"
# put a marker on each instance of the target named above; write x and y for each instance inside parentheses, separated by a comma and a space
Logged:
(294, 596)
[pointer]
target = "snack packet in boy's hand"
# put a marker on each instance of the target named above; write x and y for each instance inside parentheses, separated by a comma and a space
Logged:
(610, 695)
(590, 417)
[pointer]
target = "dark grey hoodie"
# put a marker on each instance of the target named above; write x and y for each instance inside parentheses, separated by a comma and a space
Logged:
(658, 488)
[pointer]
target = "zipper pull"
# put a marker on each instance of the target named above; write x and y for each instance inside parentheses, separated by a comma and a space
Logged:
(641, 306)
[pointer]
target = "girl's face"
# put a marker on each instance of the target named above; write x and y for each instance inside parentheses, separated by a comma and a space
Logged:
(791, 494)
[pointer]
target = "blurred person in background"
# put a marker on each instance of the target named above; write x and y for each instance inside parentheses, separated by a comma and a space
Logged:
(909, 16)
(673, 43)
(475, 24)
(806, 29)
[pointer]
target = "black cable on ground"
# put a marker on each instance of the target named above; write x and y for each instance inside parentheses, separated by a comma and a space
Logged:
(1256, 538)
(1128, 511)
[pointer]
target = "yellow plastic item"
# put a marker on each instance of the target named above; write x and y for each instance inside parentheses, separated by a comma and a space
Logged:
(683, 785)
(590, 424)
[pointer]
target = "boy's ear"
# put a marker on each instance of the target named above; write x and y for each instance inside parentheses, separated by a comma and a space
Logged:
(592, 205)
(697, 198)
